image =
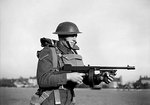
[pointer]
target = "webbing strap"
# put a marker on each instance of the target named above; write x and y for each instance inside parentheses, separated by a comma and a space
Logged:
(57, 97)
(55, 64)
(54, 55)
(40, 99)
(46, 95)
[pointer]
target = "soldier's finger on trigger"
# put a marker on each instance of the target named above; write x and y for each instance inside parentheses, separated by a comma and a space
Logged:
(80, 77)
(82, 74)
(79, 82)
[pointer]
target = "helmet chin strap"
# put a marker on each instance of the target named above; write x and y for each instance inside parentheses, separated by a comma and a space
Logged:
(69, 45)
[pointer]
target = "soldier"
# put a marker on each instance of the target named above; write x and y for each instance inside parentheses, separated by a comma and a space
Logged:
(54, 87)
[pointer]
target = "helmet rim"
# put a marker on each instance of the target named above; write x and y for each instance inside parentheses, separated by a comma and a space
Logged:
(66, 33)
(67, 28)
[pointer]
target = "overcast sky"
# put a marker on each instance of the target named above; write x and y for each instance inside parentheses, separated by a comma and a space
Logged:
(115, 33)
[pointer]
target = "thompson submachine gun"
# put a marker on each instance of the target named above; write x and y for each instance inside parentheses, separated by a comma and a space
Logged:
(90, 70)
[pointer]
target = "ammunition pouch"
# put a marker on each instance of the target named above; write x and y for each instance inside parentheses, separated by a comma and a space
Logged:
(73, 59)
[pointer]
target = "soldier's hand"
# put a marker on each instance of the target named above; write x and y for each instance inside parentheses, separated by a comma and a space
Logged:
(107, 77)
(75, 77)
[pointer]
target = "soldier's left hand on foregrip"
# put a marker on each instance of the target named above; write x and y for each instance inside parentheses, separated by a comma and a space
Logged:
(108, 77)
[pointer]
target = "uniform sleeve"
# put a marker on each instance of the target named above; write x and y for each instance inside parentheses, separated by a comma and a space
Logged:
(46, 75)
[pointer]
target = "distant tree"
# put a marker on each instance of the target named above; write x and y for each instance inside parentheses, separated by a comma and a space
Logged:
(137, 85)
(145, 86)
(120, 86)
(7, 83)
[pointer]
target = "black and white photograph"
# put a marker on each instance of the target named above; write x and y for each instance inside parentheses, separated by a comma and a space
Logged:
(74, 52)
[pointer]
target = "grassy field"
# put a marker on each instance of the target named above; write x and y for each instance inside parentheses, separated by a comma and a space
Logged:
(21, 96)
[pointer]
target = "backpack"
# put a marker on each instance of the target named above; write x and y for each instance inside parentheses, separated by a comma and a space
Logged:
(73, 59)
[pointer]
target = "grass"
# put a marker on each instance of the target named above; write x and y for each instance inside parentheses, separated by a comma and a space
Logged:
(21, 96)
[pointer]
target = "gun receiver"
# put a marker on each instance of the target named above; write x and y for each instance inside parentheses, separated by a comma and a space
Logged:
(89, 70)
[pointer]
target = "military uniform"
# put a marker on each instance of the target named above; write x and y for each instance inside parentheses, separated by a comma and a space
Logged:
(54, 88)
(48, 76)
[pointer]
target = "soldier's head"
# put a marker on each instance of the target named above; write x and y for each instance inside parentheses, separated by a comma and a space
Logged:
(67, 31)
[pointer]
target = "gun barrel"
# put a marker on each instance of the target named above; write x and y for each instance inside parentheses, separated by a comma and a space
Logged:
(115, 67)
(85, 68)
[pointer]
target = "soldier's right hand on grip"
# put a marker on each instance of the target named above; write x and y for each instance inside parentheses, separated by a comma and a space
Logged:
(75, 77)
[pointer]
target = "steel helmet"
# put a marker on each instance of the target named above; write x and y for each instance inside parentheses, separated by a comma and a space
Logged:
(67, 28)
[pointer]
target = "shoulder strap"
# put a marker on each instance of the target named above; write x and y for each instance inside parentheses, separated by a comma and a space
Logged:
(55, 59)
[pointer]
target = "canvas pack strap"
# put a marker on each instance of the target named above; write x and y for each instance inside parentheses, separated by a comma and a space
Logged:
(55, 59)
(55, 64)
(57, 97)
(46, 94)
(36, 100)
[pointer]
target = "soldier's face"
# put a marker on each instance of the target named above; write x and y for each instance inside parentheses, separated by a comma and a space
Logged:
(72, 40)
